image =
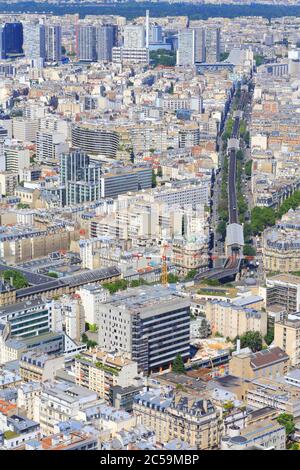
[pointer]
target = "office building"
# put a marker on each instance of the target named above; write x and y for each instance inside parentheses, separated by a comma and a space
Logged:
(34, 41)
(27, 318)
(125, 179)
(11, 40)
(212, 45)
(106, 39)
(191, 46)
(86, 49)
(196, 45)
(155, 34)
(81, 178)
(53, 43)
(150, 324)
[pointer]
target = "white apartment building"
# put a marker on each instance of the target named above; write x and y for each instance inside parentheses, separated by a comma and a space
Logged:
(24, 130)
(92, 296)
(50, 145)
(16, 158)
(62, 402)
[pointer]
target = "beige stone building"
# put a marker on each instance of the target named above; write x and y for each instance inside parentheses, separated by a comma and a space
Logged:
(39, 367)
(99, 371)
(231, 320)
(287, 337)
(23, 244)
(267, 363)
(281, 247)
(181, 416)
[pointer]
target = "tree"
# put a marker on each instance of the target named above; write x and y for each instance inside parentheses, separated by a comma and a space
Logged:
(172, 278)
(259, 60)
(204, 330)
(252, 340)
(287, 420)
(154, 183)
(191, 274)
(224, 56)
(137, 282)
(249, 250)
(228, 405)
(15, 278)
(163, 57)
(269, 337)
(248, 168)
(88, 342)
(93, 328)
(52, 274)
(120, 284)
(178, 365)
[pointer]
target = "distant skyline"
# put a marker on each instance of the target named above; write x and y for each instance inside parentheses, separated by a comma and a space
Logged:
(158, 9)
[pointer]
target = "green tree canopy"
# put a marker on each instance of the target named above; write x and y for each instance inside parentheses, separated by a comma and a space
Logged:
(178, 365)
(17, 279)
(287, 420)
(252, 340)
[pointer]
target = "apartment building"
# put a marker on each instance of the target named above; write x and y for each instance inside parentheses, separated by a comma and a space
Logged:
(99, 371)
(92, 296)
(232, 320)
(179, 416)
(28, 399)
(49, 146)
(95, 140)
(287, 337)
(19, 243)
(62, 402)
(8, 183)
(38, 367)
(16, 158)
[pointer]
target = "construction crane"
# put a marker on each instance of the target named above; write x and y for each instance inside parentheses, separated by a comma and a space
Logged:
(164, 268)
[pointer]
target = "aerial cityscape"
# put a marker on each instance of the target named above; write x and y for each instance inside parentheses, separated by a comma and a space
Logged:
(149, 226)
